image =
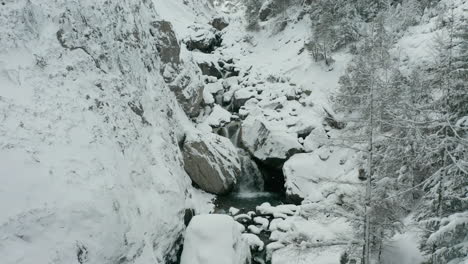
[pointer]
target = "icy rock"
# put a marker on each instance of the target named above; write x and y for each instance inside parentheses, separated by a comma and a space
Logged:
(214, 239)
(241, 97)
(218, 117)
(242, 217)
(309, 175)
(262, 221)
(254, 229)
(210, 69)
(233, 211)
(316, 139)
(271, 147)
(282, 211)
(254, 242)
(211, 161)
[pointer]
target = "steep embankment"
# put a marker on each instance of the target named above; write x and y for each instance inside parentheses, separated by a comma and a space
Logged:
(90, 166)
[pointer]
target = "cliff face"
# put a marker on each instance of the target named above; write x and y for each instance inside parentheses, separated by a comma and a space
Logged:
(89, 162)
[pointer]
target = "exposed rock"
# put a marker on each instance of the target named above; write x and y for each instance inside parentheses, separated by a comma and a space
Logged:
(187, 87)
(265, 12)
(241, 97)
(211, 161)
(167, 43)
(204, 40)
(219, 23)
(210, 69)
(332, 122)
(180, 78)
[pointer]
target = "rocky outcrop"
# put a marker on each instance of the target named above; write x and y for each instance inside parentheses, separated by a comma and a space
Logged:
(204, 40)
(210, 69)
(180, 76)
(167, 43)
(211, 161)
(219, 23)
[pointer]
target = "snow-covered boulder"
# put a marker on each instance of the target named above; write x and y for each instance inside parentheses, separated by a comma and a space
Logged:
(211, 161)
(214, 239)
(203, 39)
(310, 175)
(272, 147)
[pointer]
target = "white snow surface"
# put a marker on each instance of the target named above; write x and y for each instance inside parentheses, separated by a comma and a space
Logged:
(214, 239)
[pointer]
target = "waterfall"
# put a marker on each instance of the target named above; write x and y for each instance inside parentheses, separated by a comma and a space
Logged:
(251, 179)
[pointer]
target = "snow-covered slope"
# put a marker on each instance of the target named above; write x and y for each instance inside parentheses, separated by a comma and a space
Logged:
(90, 168)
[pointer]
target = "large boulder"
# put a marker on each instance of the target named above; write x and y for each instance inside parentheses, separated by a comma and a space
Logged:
(214, 239)
(314, 176)
(272, 147)
(204, 40)
(211, 161)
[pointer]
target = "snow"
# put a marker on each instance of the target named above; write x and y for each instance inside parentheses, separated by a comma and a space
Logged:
(218, 117)
(309, 175)
(214, 239)
(254, 242)
(254, 229)
(233, 211)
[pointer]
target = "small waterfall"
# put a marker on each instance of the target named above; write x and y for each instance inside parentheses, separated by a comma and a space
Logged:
(251, 179)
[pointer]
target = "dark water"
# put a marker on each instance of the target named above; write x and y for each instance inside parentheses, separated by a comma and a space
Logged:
(246, 201)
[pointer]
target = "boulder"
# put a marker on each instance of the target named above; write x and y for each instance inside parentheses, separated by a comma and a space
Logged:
(219, 23)
(211, 161)
(210, 69)
(272, 147)
(214, 239)
(203, 40)
(187, 87)
(308, 176)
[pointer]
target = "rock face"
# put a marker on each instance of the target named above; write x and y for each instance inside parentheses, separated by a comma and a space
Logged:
(211, 162)
(214, 239)
(219, 23)
(167, 43)
(92, 162)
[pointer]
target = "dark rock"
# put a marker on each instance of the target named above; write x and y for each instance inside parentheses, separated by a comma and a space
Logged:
(188, 215)
(167, 43)
(212, 163)
(206, 43)
(332, 122)
(219, 23)
(210, 69)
